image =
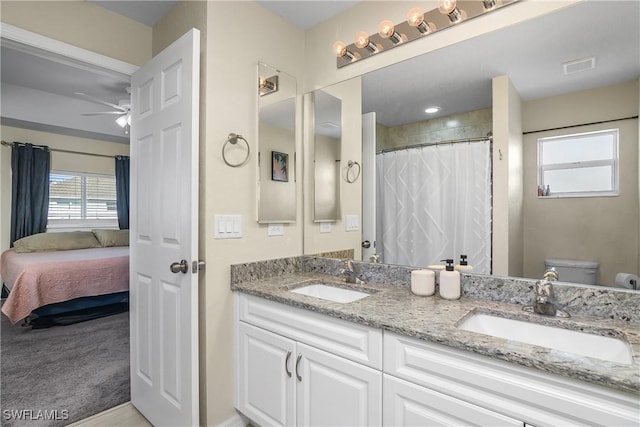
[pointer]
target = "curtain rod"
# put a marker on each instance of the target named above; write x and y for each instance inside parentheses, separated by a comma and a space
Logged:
(489, 138)
(10, 144)
(583, 124)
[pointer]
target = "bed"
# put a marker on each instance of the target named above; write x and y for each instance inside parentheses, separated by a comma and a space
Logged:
(65, 280)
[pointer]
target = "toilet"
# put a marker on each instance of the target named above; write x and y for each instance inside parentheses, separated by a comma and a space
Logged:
(570, 270)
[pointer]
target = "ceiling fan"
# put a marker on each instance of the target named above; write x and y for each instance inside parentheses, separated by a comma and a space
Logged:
(122, 110)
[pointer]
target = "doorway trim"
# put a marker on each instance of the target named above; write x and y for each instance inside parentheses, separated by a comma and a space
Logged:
(56, 50)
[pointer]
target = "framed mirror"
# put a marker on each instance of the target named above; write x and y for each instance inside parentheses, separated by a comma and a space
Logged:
(276, 146)
(327, 146)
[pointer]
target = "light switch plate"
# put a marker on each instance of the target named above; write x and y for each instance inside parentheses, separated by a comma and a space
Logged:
(325, 227)
(275, 230)
(352, 223)
(227, 226)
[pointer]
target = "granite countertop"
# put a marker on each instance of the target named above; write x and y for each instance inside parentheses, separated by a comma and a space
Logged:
(395, 308)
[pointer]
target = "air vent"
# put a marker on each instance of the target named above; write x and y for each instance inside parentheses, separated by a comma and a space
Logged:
(584, 64)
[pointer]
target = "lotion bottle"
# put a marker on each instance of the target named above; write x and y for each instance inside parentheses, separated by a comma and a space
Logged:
(464, 266)
(449, 282)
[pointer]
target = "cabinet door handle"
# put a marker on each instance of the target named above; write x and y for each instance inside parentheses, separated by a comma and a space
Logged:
(297, 365)
(286, 364)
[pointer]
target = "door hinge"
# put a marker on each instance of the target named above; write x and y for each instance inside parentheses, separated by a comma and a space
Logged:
(197, 266)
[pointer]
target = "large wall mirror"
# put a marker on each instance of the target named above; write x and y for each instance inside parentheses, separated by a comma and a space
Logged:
(458, 80)
(276, 145)
(327, 146)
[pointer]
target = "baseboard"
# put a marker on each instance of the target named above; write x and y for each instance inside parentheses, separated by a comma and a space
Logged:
(87, 421)
(238, 420)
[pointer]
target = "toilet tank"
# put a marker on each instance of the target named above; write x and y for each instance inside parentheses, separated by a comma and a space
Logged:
(574, 271)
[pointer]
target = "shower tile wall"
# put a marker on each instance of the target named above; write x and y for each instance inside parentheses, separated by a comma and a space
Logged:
(471, 124)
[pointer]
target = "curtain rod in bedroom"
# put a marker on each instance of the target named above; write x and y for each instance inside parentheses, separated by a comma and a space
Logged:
(10, 144)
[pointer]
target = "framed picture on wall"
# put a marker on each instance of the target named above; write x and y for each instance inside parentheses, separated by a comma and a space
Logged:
(279, 166)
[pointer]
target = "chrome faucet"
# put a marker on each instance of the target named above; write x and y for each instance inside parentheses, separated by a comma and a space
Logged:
(544, 303)
(349, 274)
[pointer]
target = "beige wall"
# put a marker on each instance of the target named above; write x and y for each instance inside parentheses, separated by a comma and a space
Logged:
(82, 24)
(507, 179)
(231, 101)
(59, 162)
(602, 229)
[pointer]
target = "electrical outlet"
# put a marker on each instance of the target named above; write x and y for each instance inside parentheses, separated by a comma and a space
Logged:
(275, 230)
(325, 227)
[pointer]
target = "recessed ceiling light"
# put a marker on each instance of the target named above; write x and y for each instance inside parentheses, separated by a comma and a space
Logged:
(432, 110)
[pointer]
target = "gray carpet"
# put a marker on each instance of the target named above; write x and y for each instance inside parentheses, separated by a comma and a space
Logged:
(82, 369)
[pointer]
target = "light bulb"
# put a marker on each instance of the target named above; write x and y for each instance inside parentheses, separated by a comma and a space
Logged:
(386, 28)
(415, 17)
(340, 48)
(362, 39)
(122, 120)
(446, 6)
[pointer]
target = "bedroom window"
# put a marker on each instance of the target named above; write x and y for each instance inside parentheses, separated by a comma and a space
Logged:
(82, 200)
(579, 165)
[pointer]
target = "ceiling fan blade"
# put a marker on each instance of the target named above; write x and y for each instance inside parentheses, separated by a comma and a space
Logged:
(120, 113)
(100, 101)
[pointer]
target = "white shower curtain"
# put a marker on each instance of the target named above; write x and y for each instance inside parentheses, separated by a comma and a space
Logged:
(434, 202)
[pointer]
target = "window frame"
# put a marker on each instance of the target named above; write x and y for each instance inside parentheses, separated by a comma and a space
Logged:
(614, 163)
(78, 223)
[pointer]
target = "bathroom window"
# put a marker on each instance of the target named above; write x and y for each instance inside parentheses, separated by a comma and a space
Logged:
(579, 165)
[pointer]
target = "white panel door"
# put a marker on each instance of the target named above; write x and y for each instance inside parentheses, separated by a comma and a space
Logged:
(164, 220)
(265, 379)
(333, 391)
(407, 404)
(368, 185)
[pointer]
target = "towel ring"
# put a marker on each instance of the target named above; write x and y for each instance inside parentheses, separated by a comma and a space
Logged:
(233, 139)
(350, 165)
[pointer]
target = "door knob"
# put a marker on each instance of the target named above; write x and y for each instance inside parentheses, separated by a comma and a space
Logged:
(180, 267)
(366, 244)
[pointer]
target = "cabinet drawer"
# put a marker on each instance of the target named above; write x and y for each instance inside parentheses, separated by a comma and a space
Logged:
(534, 397)
(355, 342)
(407, 404)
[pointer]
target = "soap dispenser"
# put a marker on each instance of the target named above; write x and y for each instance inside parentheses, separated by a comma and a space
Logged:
(449, 282)
(464, 266)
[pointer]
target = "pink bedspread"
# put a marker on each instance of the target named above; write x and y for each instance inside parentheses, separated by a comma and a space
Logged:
(40, 278)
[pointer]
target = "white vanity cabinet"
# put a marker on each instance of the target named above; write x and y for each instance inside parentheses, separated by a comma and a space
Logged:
(450, 382)
(295, 367)
(298, 367)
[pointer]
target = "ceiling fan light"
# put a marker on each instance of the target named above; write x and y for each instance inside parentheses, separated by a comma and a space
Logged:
(123, 120)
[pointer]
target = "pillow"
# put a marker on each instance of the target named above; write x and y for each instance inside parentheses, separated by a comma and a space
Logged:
(109, 238)
(43, 242)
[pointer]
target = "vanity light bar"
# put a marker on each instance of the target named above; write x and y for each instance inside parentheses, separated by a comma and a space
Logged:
(417, 25)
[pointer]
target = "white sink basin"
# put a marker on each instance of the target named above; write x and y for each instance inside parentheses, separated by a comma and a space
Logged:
(585, 344)
(330, 293)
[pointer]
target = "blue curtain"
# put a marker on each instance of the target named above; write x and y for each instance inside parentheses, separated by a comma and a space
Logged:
(30, 165)
(122, 191)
